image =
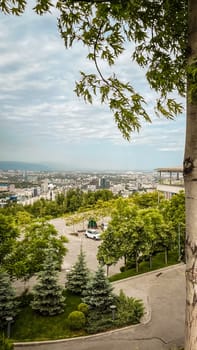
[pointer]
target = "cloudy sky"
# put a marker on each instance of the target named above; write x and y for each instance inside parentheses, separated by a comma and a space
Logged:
(42, 121)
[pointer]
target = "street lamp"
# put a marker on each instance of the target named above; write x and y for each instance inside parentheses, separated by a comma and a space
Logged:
(179, 242)
(113, 308)
(9, 320)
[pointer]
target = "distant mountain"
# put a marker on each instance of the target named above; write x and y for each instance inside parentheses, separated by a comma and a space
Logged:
(9, 165)
(50, 167)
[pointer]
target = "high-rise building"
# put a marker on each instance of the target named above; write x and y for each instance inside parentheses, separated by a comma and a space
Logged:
(104, 183)
(45, 186)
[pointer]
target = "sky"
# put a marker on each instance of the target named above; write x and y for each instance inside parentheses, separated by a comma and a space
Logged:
(43, 121)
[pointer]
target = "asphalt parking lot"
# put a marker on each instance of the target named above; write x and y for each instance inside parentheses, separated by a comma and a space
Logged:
(89, 247)
(74, 245)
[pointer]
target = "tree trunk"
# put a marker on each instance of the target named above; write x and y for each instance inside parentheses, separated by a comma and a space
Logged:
(125, 260)
(150, 262)
(108, 269)
(136, 263)
(166, 256)
(190, 176)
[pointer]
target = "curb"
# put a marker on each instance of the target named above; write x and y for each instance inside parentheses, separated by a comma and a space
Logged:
(37, 343)
(163, 269)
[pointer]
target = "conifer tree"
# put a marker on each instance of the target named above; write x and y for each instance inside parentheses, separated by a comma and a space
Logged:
(7, 299)
(78, 277)
(48, 297)
(98, 294)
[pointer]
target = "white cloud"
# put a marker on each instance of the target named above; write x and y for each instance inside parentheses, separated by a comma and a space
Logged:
(39, 108)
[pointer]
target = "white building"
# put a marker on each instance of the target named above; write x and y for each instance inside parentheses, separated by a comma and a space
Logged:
(44, 186)
(170, 181)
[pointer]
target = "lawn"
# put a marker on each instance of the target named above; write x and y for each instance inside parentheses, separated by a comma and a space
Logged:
(31, 326)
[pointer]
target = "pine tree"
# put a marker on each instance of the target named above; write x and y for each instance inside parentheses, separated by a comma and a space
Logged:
(78, 277)
(98, 294)
(7, 299)
(48, 297)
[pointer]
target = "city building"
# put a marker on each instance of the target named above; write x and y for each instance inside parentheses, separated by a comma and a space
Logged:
(170, 181)
(104, 183)
(44, 185)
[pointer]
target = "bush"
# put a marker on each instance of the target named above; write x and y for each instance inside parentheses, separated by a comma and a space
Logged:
(101, 324)
(129, 309)
(83, 308)
(131, 264)
(76, 320)
(122, 268)
(24, 299)
(5, 344)
(138, 310)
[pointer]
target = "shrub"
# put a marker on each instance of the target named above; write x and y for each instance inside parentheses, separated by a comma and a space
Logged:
(76, 320)
(97, 324)
(5, 344)
(138, 310)
(25, 299)
(129, 310)
(83, 308)
(122, 268)
(131, 264)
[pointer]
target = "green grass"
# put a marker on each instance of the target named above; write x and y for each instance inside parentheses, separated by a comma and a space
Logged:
(157, 263)
(30, 326)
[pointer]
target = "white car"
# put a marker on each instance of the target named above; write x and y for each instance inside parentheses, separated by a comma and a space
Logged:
(91, 233)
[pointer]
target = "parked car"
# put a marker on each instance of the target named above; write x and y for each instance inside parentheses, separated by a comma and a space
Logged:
(94, 234)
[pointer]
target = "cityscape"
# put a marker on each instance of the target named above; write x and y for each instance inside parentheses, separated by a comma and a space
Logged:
(26, 186)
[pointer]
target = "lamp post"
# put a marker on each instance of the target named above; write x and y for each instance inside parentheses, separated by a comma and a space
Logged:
(113, 308)
(179, 243)
(9, 320)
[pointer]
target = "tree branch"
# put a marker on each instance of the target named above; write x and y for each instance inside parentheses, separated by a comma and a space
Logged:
(92, 1)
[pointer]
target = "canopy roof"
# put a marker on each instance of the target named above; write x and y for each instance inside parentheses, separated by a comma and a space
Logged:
(170, 170)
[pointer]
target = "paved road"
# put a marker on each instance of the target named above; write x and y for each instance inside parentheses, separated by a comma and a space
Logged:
(163, 293)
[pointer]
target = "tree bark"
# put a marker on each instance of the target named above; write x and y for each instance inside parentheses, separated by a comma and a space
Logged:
(108, 269)
(166, 256)
(136, 262)
(150, 261)
(190, 177)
